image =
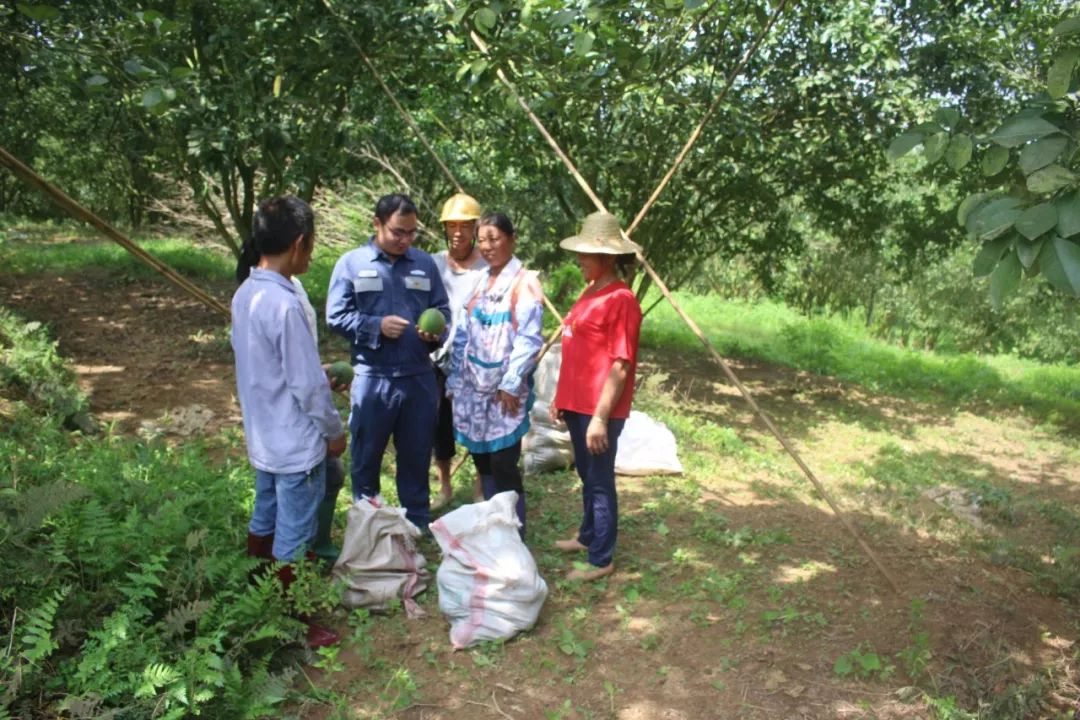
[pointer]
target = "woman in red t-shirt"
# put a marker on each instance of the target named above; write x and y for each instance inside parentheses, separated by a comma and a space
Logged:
(596, 384)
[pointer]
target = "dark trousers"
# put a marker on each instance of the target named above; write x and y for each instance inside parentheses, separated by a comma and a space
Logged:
(499, 472)
(600, 503)
(403, 408)
(444, 425)
(502, 467)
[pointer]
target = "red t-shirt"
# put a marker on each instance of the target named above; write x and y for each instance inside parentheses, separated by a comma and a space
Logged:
(599, 330)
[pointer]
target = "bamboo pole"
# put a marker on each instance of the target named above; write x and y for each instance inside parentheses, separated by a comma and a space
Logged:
(705, 118)
(77, 211)
(587, 189)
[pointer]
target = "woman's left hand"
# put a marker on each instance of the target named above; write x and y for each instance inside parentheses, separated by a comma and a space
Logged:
(596, 439)
(509, 403)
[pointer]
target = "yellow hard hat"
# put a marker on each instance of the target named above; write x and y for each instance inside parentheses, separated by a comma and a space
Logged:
(460, 208)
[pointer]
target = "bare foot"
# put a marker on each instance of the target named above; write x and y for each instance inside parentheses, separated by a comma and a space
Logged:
(571, 545)
(593, 573)
(445, 494)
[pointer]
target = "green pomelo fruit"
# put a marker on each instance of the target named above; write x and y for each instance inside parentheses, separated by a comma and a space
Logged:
(341, 373)
(431, 321)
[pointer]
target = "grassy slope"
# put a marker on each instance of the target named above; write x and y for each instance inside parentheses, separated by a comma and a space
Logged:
(831, 346)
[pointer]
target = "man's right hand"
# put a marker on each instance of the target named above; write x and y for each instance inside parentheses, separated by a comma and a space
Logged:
(335, 447)
(393, 326)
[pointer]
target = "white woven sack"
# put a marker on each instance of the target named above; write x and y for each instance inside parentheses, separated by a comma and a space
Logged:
(379, 561)
(646, 447)
(489, 587)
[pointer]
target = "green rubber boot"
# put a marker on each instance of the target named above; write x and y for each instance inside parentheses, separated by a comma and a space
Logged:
(324, 544)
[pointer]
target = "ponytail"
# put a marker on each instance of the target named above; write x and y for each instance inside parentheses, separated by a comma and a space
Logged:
(249, 258)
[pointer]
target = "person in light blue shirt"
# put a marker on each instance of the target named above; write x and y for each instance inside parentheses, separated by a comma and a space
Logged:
(376, 295)
(290, 422)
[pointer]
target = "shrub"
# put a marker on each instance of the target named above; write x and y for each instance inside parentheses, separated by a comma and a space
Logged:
(124, 588)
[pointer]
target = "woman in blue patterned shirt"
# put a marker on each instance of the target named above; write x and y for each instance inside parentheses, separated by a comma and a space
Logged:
(493, 358)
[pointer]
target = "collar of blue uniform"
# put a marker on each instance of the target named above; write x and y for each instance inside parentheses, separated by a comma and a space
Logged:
(378, 253)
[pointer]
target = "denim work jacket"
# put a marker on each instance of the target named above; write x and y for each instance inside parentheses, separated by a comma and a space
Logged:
(366, 287)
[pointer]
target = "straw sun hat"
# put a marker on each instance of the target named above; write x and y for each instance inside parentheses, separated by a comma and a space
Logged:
(600, 234)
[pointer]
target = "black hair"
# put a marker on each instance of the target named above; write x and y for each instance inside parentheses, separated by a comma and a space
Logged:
(394, 203)
(626, 267)
(249, 258)
(498, 220)
(276, 225)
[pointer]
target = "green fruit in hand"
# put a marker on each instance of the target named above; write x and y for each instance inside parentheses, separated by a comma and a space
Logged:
(341, 373)
(431, 321)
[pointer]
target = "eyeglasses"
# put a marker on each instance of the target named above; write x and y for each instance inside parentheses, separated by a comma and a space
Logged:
(402, 233)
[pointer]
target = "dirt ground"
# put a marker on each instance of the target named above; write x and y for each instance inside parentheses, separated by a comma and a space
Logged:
(730, 628)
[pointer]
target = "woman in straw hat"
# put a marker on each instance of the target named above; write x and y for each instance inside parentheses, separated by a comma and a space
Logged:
(492, 362)
(596, 383)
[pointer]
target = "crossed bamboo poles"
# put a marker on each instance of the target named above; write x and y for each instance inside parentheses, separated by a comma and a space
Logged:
(653, 275)
(73, 208)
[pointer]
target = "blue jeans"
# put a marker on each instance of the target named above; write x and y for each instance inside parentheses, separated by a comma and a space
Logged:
(600, 503)
(285, 507)
(404, 408)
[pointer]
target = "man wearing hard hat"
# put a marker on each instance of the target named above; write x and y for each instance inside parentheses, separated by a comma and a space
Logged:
(461, 268)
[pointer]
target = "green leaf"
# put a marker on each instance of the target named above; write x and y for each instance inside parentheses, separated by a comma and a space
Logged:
(485, 18)
(478, 66)
(1068, 210)
(970, 203)
(1028, 252)
(96, 81)
(152, 97)
(180, 72)
(1059, 76)
(137, 69)
(1041, 153)
(994, 160)
(1050, 179)
(994, 218)
(947, 116)
(843, 666)
(563, 18)
(1068, 26)
(38, 13)
(693, 4)
(1036, 220)
(958, 154)
(870, 662)
(903, 144)
(1005, 279)
(462, 71)
(988, 257)
(1059, 262)
(583, 43)
(934, 146)
(1021, 129)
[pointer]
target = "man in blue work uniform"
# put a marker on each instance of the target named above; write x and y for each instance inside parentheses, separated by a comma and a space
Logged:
(376, 295)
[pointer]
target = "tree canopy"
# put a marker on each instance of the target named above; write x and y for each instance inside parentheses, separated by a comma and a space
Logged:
(238, 99)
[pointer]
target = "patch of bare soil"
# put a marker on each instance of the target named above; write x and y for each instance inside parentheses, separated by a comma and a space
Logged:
(148, 356)
(727, 603)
